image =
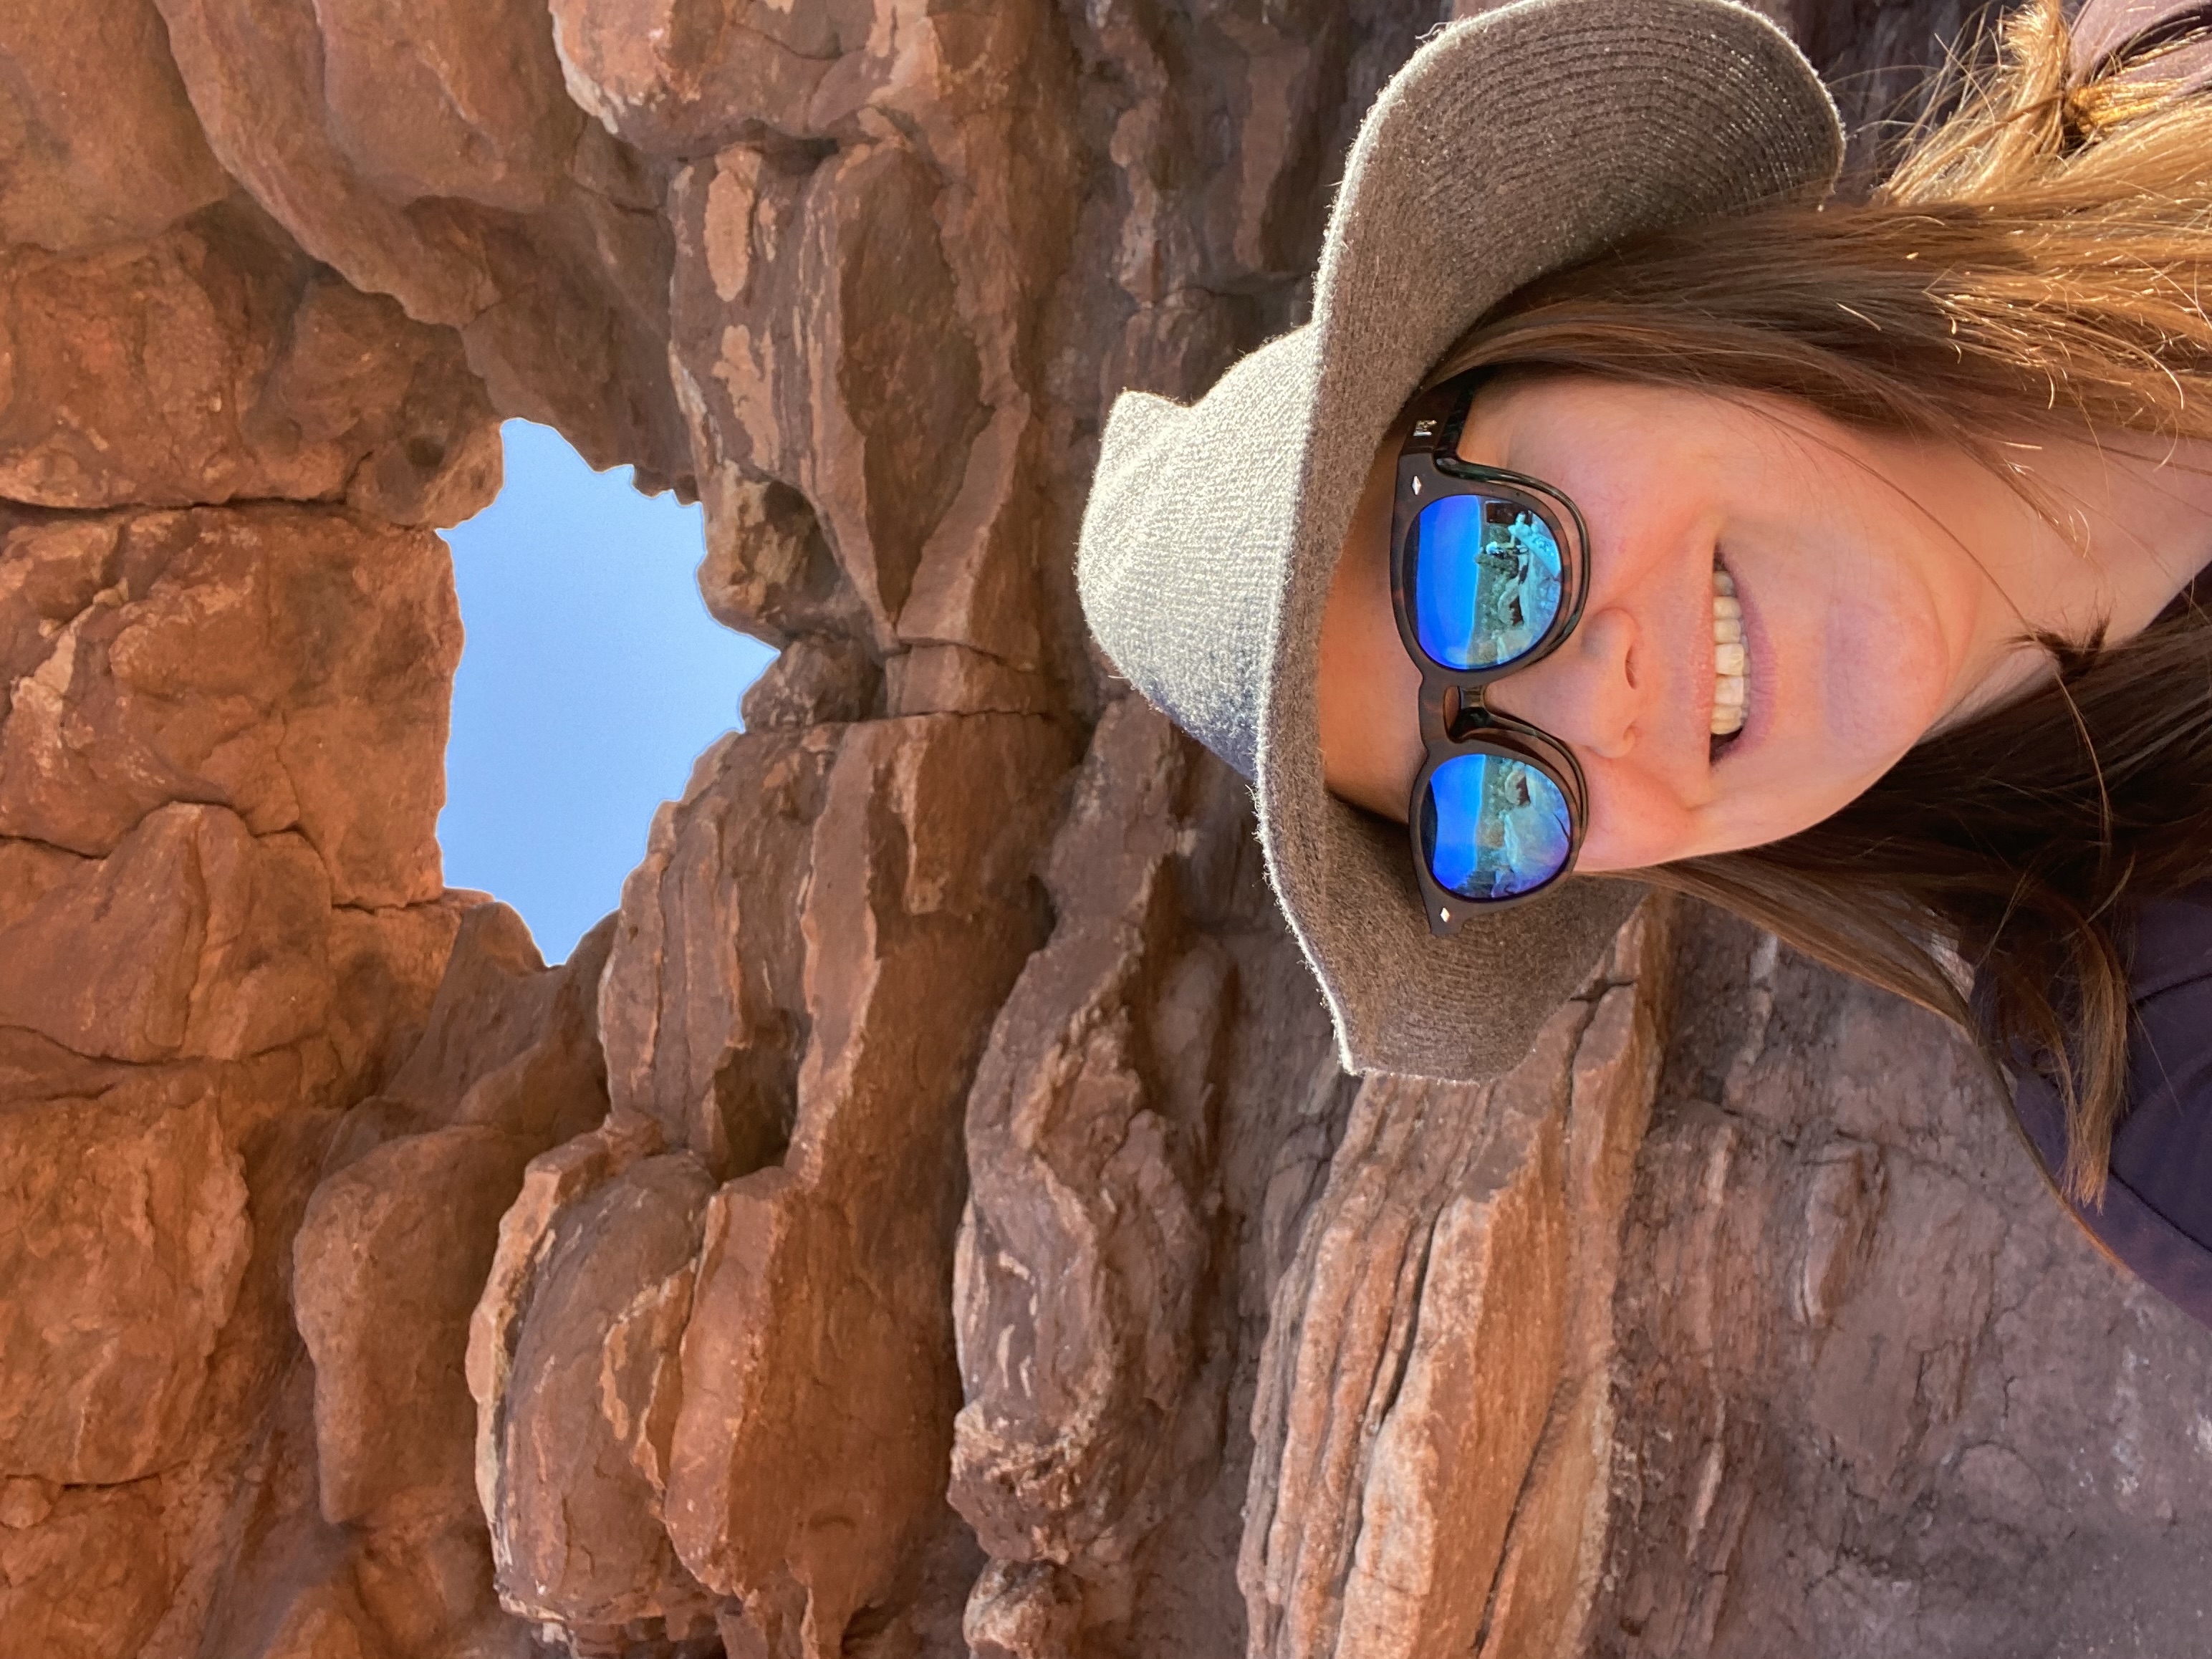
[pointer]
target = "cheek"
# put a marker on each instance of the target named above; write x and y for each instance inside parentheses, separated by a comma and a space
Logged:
(1863, 667)
(1635, 820)
(1883, 675)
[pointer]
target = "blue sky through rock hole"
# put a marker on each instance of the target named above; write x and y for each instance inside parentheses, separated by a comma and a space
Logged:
(590, 679)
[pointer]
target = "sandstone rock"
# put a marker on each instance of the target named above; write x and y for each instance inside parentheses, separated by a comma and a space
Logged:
(818, 1362)
(1090, 1233)
(153, 663)
(1848, 1313)
(214, 361)
(1548, 1575)
(216, 859)
(123, 1236)
(1149, 1127)
(549, 1183)
(704, 1006)
(1455, 1449)
(509, 1044)
(246, 658)
(429, 448)
(1548, 1579)
(88, 1580)
(951, 679)
(864, 325)
(493, 1004)
(421, 110)
(25, 1501)
(326, 1622)
(295, 1587)
(399, 1238)
(429, 156)
(51, 573)
(1421, 1363)
(192, 938)
(274, 1112)
(29, 870)
(386, 969)
(98, 143)
(768, 570)
(360, 1527)
(845, 367)
(677, 84)
(387, 1268)
(1021, 1611)
(575, 1436)
(154, 666)
(818, 680)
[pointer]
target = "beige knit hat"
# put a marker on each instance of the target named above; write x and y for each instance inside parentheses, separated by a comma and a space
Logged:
(1509, 146)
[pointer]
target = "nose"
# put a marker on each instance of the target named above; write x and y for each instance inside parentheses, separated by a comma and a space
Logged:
(1585, 693)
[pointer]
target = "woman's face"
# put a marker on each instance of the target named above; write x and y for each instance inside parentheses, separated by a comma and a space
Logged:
(1868, 571)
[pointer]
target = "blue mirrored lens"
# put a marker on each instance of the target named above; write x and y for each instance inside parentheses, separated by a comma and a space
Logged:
(1485, 579)
(1492, 826)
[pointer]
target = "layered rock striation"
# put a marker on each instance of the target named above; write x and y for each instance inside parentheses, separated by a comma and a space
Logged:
(927, 1218)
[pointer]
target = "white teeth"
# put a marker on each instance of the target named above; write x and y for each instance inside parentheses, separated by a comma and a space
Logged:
(1731, 665)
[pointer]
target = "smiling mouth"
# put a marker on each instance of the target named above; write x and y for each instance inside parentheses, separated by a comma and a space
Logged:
(1731, 664)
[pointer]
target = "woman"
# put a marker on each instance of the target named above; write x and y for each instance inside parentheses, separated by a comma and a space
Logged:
(1628, 507)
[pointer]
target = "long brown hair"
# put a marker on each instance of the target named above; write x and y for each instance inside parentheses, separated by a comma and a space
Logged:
(2029, 267)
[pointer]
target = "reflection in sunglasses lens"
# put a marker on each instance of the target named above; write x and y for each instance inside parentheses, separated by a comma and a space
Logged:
(1485, 579)
(1492, 826)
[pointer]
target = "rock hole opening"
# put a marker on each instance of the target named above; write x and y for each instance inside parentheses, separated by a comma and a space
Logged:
(757, 1099)
(590, 679)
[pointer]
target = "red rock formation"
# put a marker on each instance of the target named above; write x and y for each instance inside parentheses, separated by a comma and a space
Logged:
(928, 1219)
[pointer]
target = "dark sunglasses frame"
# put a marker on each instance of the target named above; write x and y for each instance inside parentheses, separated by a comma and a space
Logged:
(1455, 719)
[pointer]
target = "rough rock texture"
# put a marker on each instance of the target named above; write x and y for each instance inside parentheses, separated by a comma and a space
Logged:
(428, 153)
(1875, 1401)
(927, 1219)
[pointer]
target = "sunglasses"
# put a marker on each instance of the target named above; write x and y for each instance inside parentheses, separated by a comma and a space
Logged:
(1488, 573)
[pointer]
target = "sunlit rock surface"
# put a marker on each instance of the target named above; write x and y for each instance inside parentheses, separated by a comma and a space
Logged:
(927, 1218)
